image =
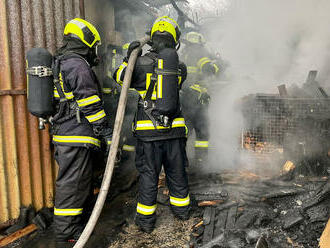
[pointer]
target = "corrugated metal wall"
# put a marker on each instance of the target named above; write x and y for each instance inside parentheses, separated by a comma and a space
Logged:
(27, 169)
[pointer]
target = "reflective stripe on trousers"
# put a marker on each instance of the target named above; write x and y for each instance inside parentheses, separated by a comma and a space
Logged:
(180, 202)
(146, 210)
(128, 148)
(68, 211)
(201, 144)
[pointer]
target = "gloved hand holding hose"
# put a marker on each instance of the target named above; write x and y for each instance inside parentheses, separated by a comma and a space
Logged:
(104, 133)
(133, 45)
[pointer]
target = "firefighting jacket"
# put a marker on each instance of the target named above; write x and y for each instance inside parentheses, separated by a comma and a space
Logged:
(143, 127)
(82, 107)
(200, 66)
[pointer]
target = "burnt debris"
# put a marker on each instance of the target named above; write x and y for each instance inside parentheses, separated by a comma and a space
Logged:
(287, 214)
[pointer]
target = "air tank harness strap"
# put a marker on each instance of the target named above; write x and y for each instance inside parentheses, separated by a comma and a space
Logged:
(147, 103)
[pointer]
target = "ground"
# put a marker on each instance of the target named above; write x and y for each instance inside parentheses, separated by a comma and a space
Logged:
(254, 206)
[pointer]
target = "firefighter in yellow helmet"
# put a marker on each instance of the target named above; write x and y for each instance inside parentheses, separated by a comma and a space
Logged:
(80, 126)
(195, 97)
(159, 125)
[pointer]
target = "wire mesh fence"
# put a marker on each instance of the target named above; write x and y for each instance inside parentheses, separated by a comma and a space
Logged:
(272, 123)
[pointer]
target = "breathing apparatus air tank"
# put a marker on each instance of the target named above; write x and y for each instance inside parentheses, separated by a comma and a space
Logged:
(167, 75)
(40, 85)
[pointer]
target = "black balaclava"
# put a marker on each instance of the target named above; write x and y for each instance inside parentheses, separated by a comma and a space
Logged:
(73, 45)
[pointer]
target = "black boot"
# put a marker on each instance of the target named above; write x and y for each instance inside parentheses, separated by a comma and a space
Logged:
(24, 219)
(146, 224)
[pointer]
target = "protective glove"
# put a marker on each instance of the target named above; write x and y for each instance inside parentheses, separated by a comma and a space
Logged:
(132, 46)
(104, 133)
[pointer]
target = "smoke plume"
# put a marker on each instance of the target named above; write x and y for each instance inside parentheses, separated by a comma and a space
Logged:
(266, 43)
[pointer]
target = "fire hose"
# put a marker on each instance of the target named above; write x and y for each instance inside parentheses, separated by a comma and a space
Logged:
(113, 149)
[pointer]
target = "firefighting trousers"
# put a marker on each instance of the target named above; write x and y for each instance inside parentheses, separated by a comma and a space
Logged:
(128, 140)
(150, 156)
(73, 188)
(197, 119)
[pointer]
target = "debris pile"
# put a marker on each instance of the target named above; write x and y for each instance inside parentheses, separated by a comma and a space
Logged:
(260, 212)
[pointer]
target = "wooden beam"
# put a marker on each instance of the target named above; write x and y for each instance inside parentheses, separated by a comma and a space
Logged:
(12, 92)
(325, 238)
(17, 235)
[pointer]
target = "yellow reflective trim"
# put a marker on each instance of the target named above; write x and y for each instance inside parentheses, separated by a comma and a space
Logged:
(128, 148)
(160, 64)
(120, 71)
(68, 211)
(142, 93)
(56, 95)
(68, 95)
(88, 100)
(198, 88)
(187, 131)
(180, 202)
(194, 37)
(178, 122)
(146, 210)
(107, 90)
(148, 125)
(202, 62)
(109, 142)
(179, 80)
(201, 144)
(99, 115)
(216, 68)
(192, 69)
(125, 46)
(160, 79)
(76, 139)
(160, 86)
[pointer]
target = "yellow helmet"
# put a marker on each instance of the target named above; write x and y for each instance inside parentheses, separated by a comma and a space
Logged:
(166, 24)
(194, 37)
(84, 31)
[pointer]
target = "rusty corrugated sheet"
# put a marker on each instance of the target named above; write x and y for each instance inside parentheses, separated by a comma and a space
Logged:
(27, 168)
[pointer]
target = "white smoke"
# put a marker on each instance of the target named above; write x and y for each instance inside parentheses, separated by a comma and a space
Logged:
(267, 43)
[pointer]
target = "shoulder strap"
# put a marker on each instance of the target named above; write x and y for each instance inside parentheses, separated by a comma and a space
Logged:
(56, 73)
(153, 77)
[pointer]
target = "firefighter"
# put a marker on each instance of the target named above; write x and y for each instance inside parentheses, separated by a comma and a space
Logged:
(79, 127)
(111, 89)
(158, 125)
(194, 95)
(125, 171)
